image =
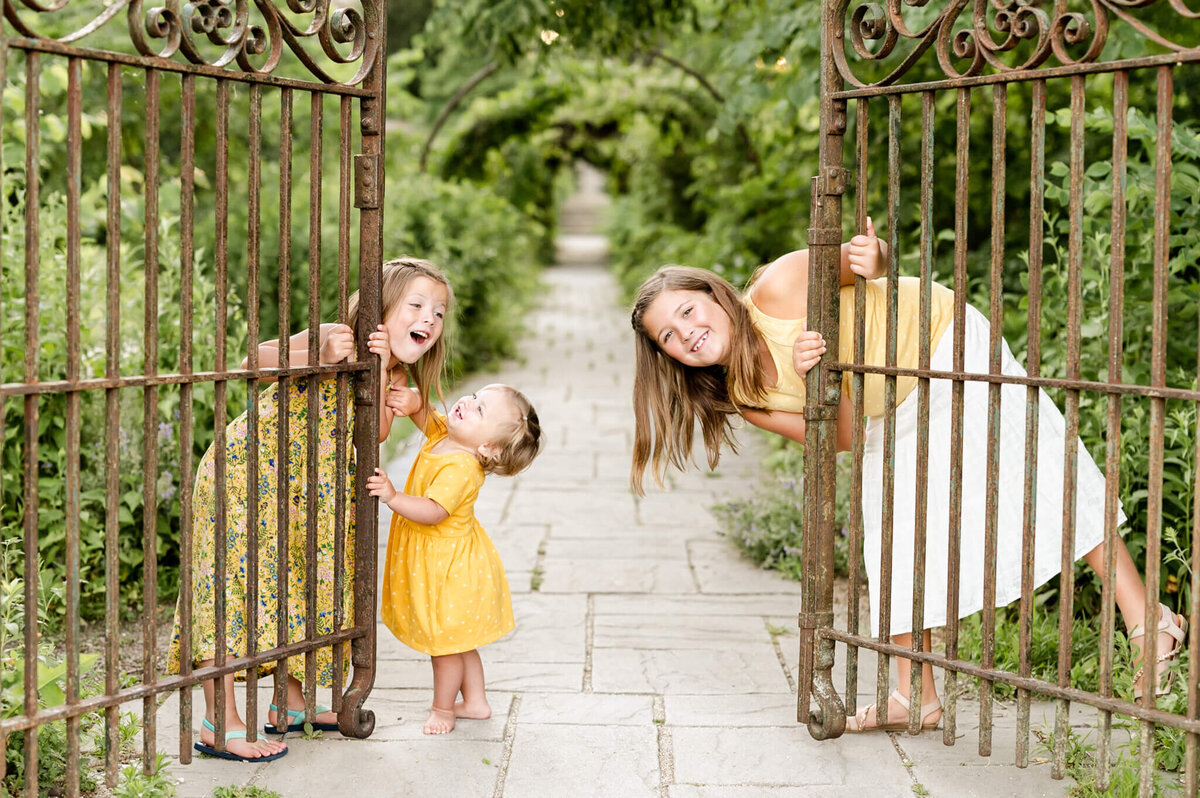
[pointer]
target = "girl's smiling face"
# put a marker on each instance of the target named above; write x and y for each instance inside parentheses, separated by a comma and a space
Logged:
(416, 322)
(477, 421)
(688, 326)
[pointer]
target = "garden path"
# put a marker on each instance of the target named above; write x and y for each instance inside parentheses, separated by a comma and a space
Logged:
(649, 658)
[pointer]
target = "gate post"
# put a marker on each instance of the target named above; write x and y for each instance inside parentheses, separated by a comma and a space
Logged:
(353, 719)
(823, 391)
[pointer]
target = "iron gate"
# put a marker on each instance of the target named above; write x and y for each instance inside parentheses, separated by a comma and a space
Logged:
(183, 90)
(880, 57)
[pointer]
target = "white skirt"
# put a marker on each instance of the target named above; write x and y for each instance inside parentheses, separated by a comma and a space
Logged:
(1089, 501)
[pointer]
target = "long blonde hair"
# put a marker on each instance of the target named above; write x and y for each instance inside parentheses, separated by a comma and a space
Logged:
(427, 372)
(669, 397)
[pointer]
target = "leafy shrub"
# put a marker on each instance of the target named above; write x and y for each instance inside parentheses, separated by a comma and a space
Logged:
(768, 526)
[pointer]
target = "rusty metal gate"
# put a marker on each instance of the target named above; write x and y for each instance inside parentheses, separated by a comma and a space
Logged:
(946, 59)
(188, 95)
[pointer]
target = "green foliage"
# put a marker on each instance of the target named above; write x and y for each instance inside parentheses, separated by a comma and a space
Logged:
(1043, 651)
(1123, 771)
(515, 28)
(136, 783)
(769, 525)
(249, 791)
(128, 727)
(51, 685)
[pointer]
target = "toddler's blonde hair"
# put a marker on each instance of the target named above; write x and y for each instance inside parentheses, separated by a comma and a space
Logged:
(519, 444)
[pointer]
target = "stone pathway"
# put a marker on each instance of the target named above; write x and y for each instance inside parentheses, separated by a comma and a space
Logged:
(647, 659)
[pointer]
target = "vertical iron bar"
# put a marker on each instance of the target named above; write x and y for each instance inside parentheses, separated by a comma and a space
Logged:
(3, 276)
(353, 720)
(343, 386)
(889, 419)
(954, 546)
(922, 465)
(1112, 437)
(1070, 442)
(283, 449)
(1158, 378)
(858, 430)
(112, 429)
(996, 326)
(253, 241)
(1037, 185)
(150, 425)
(316, 120)
(74, 181)
(33, 70)
(1191, 761)
(221, 388)
(220, 419)
(187, 223)
(807, 592)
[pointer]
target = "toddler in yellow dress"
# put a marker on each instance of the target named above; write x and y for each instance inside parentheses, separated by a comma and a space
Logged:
(444, 590)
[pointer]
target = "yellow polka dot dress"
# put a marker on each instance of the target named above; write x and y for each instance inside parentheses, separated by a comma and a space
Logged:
(444, 589)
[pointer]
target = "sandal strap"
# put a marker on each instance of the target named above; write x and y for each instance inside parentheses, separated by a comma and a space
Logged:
(902, 700)
(235, 734)
(299, 713)
(1166, 623)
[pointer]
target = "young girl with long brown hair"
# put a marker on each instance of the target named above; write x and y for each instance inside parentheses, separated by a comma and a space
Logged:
(706, 353)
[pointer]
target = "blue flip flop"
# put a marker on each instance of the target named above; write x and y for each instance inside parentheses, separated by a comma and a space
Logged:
(209, 750)
(296, 721)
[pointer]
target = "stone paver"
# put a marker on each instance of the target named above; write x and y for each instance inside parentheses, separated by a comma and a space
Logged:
(649, 658)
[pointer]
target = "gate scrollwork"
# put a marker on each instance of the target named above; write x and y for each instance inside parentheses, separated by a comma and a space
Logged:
(249, 35)
(1000, 35)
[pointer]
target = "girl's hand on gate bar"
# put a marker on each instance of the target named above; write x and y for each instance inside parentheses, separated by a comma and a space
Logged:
(379, 485)
(337, 346)
(866, 255)
(380, 343)
(807, 350)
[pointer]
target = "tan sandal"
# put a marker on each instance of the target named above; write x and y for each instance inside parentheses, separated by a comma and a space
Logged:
(1174, 625)
(857, 724)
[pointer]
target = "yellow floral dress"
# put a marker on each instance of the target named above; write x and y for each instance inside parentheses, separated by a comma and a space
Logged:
(236, 502)
(444, 589)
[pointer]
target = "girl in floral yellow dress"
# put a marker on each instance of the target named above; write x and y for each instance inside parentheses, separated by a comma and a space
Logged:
(415, 298)
(444, 589)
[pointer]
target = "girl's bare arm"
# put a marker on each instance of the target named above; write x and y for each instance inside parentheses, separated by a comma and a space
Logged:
(792, 425)
(782, 288)
(418, 509)
(415, 508)
(336, 344)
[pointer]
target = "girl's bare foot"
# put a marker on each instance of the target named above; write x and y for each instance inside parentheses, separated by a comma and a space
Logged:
(475, 710)
(440, 721)
(240, 746)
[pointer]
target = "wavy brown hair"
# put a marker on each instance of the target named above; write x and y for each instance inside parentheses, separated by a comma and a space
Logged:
(426, 373)
(669, 397)
(519, 444)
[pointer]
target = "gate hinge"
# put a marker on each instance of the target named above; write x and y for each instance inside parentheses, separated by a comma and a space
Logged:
(833, 181)
(366, 181)
(816, 620)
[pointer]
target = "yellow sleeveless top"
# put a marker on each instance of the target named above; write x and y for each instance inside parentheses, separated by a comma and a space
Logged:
(788, 392)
